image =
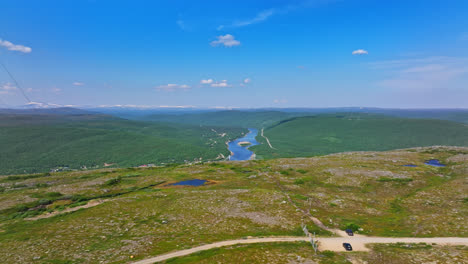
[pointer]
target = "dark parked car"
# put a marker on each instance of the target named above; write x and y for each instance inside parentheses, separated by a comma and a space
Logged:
(348, 246)
(349, 232)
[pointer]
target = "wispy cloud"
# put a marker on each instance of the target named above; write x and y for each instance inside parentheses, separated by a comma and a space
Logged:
(260, 17)
(222, 83)
(7, 88)
(78, 84)
(213, 83)
(172, 87)
(270, 12)
(227, 40)
(10, 46)
(407, 63)
(423, 73)
(360, 52)
(207, 81)
(56, 90)
(245, 82)
(426, 68)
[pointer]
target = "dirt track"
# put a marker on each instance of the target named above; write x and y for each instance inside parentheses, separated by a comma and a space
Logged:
(329, 243)
(267, 140)
(68, 210)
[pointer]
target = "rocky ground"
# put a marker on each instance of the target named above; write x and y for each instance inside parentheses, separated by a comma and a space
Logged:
(141, 216)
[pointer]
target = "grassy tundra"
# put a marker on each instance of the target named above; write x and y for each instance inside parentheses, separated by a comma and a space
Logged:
(135, 212)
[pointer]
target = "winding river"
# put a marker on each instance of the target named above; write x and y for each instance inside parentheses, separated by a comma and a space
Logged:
(239, 152)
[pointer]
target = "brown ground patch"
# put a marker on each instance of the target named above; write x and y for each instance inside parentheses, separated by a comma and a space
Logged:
(91, 203)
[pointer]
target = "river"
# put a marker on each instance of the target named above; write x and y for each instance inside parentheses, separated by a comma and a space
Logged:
(242, 152)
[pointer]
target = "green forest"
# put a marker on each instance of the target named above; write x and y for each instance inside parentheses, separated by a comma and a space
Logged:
(39, 143)
(325, 134)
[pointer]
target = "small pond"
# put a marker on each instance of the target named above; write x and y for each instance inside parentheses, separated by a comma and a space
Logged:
(434, 162)
(195, 182)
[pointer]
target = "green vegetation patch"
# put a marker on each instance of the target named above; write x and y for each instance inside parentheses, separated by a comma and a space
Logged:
(43, 143)
(325, 134)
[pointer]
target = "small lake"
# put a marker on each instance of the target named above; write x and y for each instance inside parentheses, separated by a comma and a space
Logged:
(195, 182)
(434, 162)
(239, 152)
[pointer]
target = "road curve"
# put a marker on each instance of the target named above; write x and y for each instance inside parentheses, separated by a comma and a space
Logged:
(189, 251)
(327, 243)
(267, 140)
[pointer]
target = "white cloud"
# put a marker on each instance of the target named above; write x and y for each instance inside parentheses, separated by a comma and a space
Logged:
(360, 52)
(270, 12)
(207, 81)
(219, 84)
(10, 46)
(227, 40)
(405, 63)
(223, 83)
(425, 68)
(7, 88)
(260, 17)
(423, 74)
(78, 84)
(56, 90)
(172, 87)
(247, 80)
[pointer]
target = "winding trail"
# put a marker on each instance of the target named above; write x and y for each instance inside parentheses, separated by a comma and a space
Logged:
(90, 204)
(326, 243)
(358, 242)
(267, 140)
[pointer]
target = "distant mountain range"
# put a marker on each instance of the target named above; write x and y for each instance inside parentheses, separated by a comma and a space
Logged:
(173, 113)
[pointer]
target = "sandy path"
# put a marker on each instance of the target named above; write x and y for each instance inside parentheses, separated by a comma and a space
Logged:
(220, 244)
(91, 203)
(359, 243)
(267, 140)
(326, 243)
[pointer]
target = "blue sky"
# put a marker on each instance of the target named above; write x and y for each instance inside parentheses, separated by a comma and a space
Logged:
(275, 53)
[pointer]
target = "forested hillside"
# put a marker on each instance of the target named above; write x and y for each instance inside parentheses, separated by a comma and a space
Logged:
(37, 143)
(324, 134)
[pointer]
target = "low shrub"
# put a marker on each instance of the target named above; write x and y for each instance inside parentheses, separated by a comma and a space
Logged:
(113, 181)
